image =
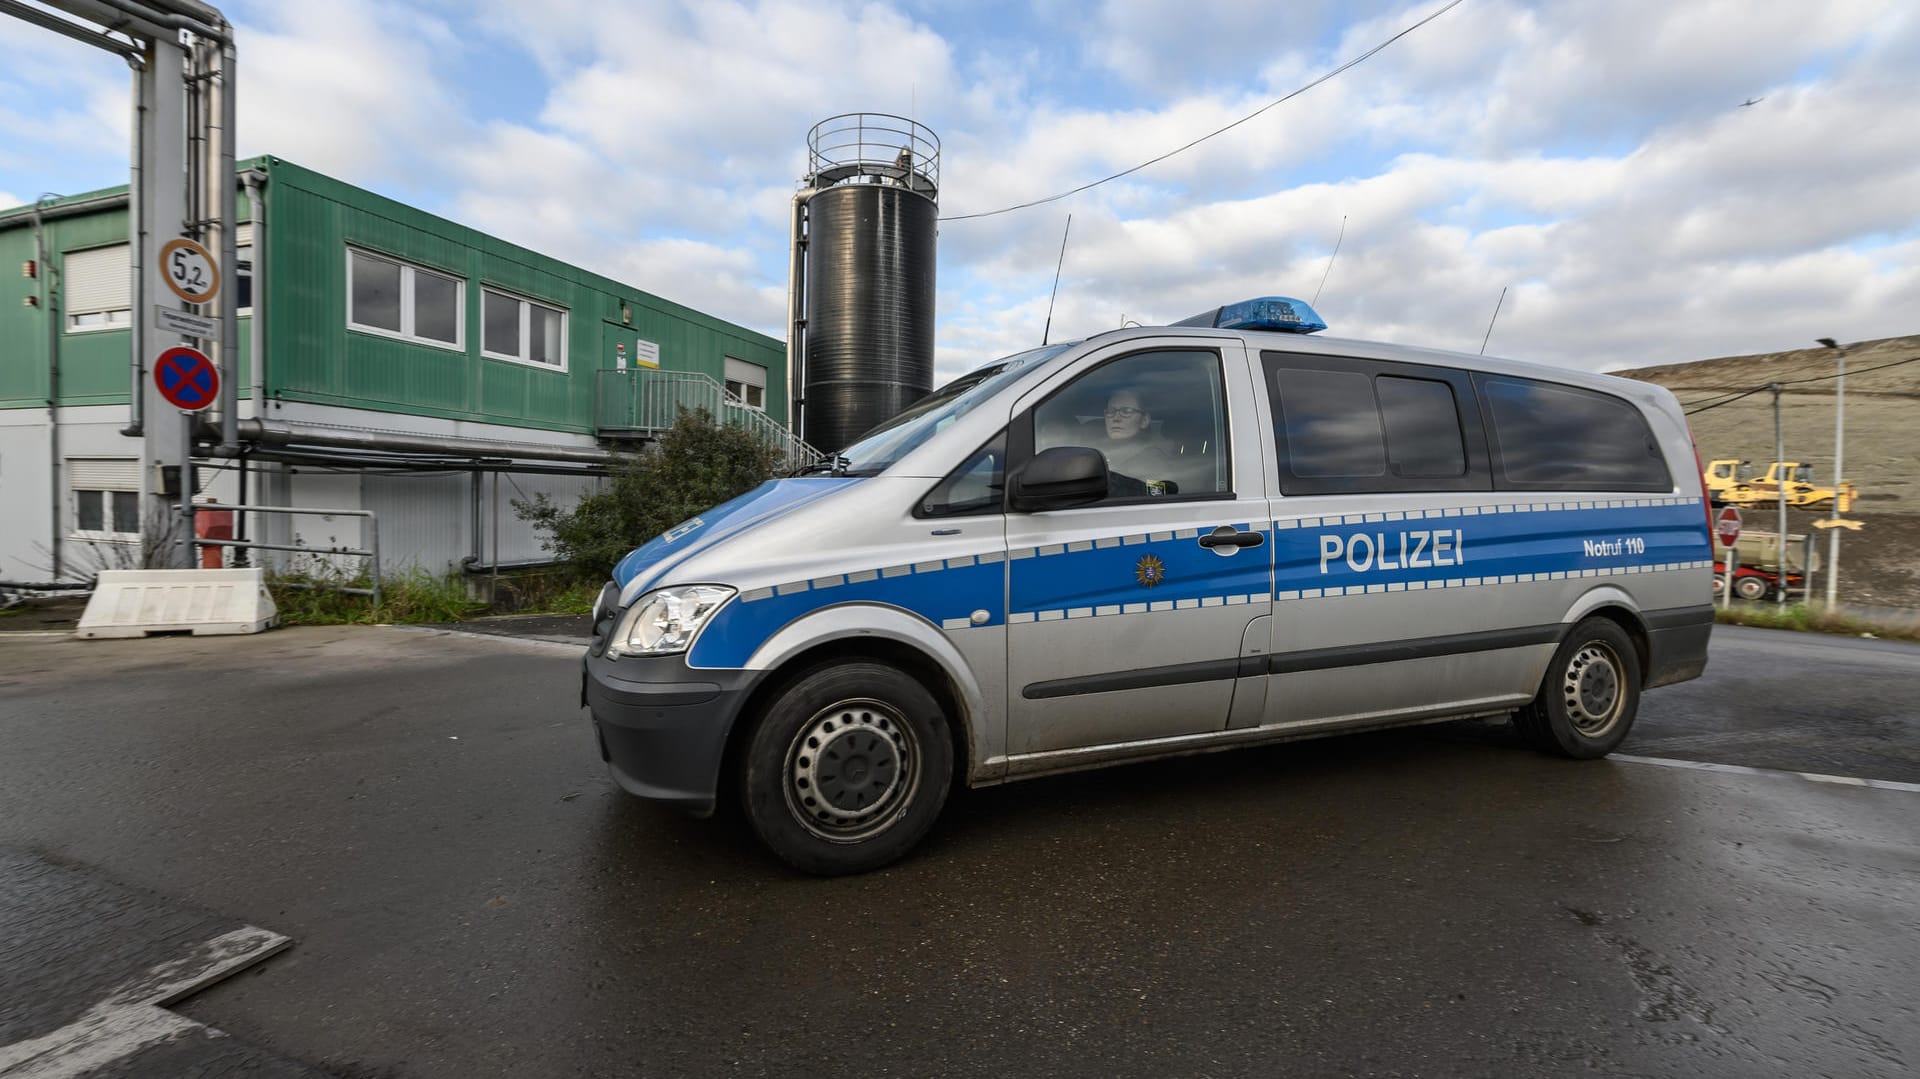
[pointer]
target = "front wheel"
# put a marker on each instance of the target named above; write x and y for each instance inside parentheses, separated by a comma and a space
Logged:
(847, 769)
(1590, 694)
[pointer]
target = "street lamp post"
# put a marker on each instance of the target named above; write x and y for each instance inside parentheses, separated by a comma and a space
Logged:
(1839, 446)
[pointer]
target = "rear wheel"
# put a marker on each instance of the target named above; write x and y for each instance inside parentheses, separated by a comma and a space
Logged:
(1719, 585)
(847, 769)
(1590, 695)
(1749, 587)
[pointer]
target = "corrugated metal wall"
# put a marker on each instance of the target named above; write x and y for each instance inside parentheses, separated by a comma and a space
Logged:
(315, 357)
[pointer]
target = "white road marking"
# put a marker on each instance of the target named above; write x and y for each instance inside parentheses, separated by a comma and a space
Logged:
(133, 1017)
(1742, 770)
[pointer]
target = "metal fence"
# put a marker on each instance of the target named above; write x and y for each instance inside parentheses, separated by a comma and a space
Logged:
(371, 553)
(642, 402)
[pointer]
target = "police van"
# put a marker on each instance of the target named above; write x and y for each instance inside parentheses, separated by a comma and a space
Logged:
(1157, 541)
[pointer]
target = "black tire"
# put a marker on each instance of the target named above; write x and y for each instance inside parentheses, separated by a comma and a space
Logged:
(1590, 695)
(847, 769)
(1750, 587)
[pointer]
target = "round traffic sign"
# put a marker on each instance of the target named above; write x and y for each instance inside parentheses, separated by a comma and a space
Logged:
(189, 270)
(186, 378)
(1728, 526)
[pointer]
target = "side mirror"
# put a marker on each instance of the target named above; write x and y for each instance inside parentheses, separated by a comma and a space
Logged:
(1057, 479)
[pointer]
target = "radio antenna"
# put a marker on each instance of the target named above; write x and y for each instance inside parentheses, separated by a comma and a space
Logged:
(1336, 254)
(1056, 280)
(1490, 322)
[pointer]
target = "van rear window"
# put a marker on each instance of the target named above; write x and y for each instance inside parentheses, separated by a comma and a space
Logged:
(1562, 438)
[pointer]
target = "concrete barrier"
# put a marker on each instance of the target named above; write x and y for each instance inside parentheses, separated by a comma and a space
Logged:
(136, 602)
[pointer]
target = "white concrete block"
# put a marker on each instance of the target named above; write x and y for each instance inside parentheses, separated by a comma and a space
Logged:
(136, 602)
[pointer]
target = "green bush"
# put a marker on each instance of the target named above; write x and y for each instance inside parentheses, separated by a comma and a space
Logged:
(696, 465)
(315, 599)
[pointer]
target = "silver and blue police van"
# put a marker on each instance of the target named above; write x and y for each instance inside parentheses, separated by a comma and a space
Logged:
(1156, 541)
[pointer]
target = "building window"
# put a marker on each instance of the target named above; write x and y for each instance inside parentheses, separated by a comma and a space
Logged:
(99, 290)
(397, 299)
(521, 330)
(106, 498)
(242, 275)
(747, 383)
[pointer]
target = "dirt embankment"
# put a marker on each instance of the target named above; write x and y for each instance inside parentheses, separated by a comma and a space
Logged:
(1880, 564)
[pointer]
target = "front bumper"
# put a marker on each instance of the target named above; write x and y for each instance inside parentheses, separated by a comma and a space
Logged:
(663, 726)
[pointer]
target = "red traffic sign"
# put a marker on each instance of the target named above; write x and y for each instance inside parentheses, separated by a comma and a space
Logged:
(1728, 526)
(186, 378)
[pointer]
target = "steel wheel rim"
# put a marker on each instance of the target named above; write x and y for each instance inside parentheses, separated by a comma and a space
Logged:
(1593, 689)
(851, 770)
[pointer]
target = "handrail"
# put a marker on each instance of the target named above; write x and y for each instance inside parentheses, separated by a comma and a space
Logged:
(646, 402)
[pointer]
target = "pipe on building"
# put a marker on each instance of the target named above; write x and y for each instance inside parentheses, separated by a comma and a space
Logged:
(257, 332)
(196, 19)
(320, 458)
(796, 314)
(271, 433)
(137, 260)
(45, 20)
(50, 308)
(229, 251)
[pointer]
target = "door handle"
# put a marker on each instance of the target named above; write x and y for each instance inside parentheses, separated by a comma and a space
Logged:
(1229, 536)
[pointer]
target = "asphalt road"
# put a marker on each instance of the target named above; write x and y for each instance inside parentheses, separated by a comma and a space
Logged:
(426, 816)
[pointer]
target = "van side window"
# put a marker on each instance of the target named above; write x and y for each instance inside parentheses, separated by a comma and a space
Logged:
(1563, 438)
(1159, 418)
(975, 487)
(1355, 426)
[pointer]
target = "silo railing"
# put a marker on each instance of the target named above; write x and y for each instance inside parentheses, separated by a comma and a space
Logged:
(874, 148)
(639, 402)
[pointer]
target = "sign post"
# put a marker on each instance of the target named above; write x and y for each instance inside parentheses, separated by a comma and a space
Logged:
(1727, 530)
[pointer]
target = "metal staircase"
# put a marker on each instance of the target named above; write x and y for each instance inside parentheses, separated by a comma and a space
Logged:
(642, 403)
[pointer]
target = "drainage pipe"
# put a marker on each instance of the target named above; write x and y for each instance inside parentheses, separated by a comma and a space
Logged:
(51, 309)
(257, 331)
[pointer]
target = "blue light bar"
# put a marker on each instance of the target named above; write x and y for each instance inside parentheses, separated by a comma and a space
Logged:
(1282, 313)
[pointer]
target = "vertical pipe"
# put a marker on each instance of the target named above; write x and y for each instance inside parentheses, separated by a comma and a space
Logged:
(137, 262)
(1839, 450)
(473, 523)
(373, 528)
(1780, 454)
(229, 258)
(50, 307)
(796, 313)
(187, 551)
(257, 329)
(493, 585)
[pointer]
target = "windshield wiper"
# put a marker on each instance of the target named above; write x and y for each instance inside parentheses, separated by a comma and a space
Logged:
(834, 465)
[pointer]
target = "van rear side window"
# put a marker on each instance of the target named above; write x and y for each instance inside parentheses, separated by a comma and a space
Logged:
(1353, 426)
(1561, 438)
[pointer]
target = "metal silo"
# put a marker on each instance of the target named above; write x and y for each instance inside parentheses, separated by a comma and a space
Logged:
(863, 265)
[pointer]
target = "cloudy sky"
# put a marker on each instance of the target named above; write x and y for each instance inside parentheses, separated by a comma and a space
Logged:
(1594, 158)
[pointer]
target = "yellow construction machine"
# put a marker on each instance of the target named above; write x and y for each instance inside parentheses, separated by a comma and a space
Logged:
(1727, 483)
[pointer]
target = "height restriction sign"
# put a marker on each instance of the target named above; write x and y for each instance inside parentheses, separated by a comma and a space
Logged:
(189, 270)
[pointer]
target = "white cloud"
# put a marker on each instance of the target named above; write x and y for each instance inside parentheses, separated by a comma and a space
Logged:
(350, 88)
(8, 200)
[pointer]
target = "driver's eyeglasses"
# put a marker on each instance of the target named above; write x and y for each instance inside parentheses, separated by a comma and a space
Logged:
(1124, 413)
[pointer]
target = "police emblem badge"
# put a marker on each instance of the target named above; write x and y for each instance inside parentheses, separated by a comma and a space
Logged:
(1149, 571)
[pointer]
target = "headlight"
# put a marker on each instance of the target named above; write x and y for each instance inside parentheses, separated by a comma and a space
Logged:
(666, 620)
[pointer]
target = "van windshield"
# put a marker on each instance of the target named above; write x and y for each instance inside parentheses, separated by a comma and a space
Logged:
(930, 415)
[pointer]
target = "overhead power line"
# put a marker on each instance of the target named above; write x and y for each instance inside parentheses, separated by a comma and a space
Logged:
(1356, 61)
(1706, 403)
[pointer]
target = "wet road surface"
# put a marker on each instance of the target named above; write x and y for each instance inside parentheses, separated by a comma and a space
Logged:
(426, 816)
